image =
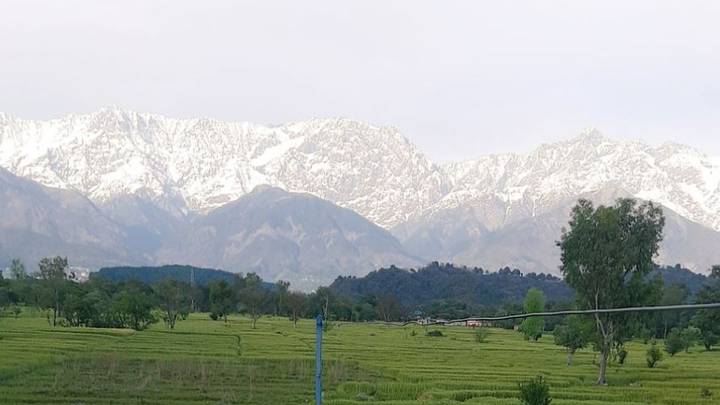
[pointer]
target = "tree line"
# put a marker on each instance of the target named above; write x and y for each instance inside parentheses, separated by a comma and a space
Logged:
(116, 300)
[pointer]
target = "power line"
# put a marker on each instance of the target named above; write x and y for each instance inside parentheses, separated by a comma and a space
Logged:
(571, 312)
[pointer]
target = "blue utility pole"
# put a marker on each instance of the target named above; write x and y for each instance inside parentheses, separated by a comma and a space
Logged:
(318, 359)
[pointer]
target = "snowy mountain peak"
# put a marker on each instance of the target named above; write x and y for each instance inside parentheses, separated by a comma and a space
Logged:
(591, 134)
(185, 165)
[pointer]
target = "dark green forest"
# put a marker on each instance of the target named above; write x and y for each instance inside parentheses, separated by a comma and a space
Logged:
(135, 297)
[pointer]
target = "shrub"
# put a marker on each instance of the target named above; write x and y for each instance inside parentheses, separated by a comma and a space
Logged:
(654, 355)
(674, 342)
(622, 355)
(706, 393)
(535, 391)
(481, 335)
(434, 333)
(690, 336)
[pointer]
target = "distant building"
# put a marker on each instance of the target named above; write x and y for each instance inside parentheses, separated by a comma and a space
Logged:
(478, 324)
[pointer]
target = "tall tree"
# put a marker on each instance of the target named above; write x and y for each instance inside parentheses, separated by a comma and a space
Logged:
(281, 293)
(134, 305)
(221, 299)
(295, 301)
(533, 327)
(606, 254)
(575, 334)
(323, 296)
(17, 270)
(172, 298)
(708, 320)
(675, 294)
(388, 307)
(54, 273)
(253, 296)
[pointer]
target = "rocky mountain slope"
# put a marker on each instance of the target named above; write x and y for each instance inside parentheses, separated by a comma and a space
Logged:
(459, 236)
(38, 221)
(290, 236)
(287, 236)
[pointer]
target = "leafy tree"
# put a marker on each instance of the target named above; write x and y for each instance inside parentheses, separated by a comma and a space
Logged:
(253, 296)
(606, 256)
(4, 298)
(74, 309)
(675, 294)
(449, 309)
(674, 342)
(653, 356)
(388, 307)
(54, 271)
(17, 270)
(321, 302)
(365, 309)
(533, 327)
(172, 298)
(98, 307)
(221, 299)
(134, 306)
(574, 335)
(708, 320)
(690, 336)
(281, 293)
(295, 300)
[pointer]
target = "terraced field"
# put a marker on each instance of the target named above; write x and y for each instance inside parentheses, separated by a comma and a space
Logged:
(204, 361)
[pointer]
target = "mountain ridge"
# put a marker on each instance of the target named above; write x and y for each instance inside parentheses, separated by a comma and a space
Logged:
(160, 177)
(196, 164)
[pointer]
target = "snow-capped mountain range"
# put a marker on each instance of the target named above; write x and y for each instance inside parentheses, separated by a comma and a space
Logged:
(201, 164)
(189, 167)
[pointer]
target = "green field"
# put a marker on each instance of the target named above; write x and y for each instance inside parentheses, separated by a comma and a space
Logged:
(203, 361)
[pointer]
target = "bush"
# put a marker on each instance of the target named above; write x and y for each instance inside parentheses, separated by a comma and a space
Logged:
(706, 393)
(622, 355)
(674, 342)
(654, 355)
(434, 333)
(535, 391)
(690, 336)
(481, 335)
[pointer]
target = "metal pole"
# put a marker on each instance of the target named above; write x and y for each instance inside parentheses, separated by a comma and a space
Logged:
(318, 359)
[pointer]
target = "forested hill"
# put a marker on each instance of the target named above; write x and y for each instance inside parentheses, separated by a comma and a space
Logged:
(476, 286)
(678, 275)
(447, 282)
(151, 275)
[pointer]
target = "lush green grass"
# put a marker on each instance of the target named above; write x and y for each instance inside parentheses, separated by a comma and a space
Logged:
(202, 361)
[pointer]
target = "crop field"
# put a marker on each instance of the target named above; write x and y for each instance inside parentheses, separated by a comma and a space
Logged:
(204, 361)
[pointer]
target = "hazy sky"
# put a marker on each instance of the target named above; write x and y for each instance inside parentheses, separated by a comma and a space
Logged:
(460, 79)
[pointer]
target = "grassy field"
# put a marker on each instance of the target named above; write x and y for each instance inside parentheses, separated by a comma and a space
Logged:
(204, 361)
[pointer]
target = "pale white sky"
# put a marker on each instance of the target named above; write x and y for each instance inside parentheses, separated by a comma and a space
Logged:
(459, 78)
